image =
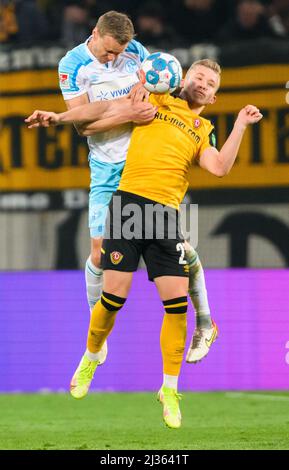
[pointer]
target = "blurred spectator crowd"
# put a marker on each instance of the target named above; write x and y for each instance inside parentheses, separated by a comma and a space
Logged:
(161, 23)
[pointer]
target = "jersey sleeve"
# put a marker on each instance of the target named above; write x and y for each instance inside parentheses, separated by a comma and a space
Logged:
(209, 141)
(71, 79)
(138, 49)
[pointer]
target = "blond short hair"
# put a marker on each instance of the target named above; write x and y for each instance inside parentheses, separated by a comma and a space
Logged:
(117, 25)
(210, 64)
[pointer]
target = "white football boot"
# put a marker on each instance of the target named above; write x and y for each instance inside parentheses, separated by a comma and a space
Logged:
(201, 342)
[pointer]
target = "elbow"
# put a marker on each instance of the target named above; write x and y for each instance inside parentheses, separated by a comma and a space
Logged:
(220, 172)
(82, 132)
(221, 169)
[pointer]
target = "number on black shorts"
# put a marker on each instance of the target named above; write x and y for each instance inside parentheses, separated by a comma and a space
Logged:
(181, 248)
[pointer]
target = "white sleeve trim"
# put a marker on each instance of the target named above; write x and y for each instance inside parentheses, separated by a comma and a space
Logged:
(70, 96)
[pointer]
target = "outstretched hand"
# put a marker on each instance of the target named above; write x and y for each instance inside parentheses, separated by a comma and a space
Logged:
(249, 115)
(42, 119)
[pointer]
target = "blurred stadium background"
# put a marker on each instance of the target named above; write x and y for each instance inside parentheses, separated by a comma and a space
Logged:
(243, 226)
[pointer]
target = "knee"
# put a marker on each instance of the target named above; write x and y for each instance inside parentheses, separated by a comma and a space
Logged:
(119, 290)
(192, 258)
(95, 257)
(188, 246)
(190, 251)
(117, 283)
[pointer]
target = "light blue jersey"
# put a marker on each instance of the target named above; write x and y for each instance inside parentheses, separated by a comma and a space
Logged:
(81, 73)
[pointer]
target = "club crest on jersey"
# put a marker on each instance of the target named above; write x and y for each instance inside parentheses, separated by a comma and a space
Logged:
(197, 123)
(116, 257)
(131, 66)
(64, 80)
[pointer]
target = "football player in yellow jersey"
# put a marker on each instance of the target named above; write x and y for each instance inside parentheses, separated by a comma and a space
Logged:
(153, 185)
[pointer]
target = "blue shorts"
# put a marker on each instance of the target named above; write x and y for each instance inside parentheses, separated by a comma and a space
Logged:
(104, 181)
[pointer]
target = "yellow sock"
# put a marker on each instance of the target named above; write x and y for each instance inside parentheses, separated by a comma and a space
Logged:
(173, 335)
(102, 320)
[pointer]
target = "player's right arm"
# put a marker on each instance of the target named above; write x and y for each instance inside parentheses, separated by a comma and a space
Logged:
(101, 114)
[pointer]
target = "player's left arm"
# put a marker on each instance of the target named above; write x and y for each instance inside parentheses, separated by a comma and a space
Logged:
(219, 163)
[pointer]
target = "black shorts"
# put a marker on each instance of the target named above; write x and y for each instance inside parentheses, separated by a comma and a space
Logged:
(137, 226)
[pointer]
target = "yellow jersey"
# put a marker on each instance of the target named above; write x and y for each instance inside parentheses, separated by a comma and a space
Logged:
(161, 152)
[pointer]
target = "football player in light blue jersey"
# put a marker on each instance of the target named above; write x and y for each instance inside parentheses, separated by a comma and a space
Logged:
(103, 68)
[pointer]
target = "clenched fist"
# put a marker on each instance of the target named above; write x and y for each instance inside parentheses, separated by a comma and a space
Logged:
(249, 115)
